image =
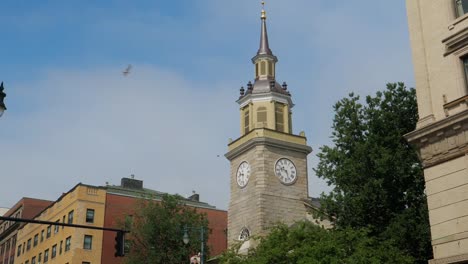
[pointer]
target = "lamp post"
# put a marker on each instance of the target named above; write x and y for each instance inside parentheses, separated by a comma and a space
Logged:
(186, 240)
(2, 97)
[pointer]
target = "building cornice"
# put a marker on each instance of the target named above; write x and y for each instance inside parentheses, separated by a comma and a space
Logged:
(268, 141)
(261, 97)
(441, 141)
(452, 259)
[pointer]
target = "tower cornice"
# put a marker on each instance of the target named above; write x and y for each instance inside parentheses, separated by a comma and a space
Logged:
(271, 96)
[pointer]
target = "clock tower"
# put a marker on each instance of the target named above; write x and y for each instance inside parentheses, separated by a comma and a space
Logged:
(268, 178)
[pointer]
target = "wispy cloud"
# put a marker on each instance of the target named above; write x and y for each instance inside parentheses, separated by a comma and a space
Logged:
(73, 117)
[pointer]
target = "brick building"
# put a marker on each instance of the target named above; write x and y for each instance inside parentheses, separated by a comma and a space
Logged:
(120, 201)
(24, 208)
(100, 206)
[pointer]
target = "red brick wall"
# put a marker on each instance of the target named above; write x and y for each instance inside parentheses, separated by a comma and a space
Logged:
(118, 206)
(31, 207)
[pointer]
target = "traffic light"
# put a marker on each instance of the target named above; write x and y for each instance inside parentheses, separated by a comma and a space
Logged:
(120, 244)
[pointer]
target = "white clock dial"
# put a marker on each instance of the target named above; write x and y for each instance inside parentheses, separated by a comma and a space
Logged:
(285, 170)
(243, 174)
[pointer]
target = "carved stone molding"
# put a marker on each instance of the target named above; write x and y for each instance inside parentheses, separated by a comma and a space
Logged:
(451, 260)
(441, 141)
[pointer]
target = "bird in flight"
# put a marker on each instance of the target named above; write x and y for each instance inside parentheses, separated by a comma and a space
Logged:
(127, 70)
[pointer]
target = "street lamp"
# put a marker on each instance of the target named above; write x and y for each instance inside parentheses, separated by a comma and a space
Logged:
(186, 240)
(2, 97)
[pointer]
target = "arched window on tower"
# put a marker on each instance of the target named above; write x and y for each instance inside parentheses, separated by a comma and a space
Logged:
(262, 68)
(290, 122)
(246, 121)
(279, 116)
(244, 234)
(256, 70)
(261, 116)
(270, 68)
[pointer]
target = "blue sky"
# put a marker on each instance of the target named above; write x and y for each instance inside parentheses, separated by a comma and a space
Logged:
(72, 117)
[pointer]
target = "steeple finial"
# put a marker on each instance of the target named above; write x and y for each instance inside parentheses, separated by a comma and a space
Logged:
(264, 47)
(263, 10)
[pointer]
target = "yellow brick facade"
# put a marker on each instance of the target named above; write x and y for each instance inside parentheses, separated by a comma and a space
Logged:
(36, 244)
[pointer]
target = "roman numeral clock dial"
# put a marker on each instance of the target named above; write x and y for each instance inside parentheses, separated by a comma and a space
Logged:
(286, 171)
(243, 174)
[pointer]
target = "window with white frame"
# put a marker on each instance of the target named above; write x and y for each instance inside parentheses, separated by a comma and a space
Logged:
(461, 6)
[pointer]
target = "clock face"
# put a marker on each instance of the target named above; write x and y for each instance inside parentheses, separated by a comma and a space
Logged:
(243, 174)
(286, 172)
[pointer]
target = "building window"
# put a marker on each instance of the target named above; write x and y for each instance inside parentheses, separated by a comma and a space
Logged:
(85, 262)
(39, 258)
(36, 240)
(56, 227)
(261, 116)
(42, 235)
(290, 122)
(89, 215)
(67, 243)
(70, 217)
(49, 230)
(244, 234)
(60, 248)
(279, 116)
(465, 68)
(270, 68)
(46, 255)
(28, 245)
(33, 260)
(54, 251)
(19, 251)
(26, 262)
(262, 68)
(246, 121)
(461, 6)
(88, 242)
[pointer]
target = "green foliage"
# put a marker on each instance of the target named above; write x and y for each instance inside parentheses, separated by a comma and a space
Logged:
(306, 243)
(377, 177)
(157, 229)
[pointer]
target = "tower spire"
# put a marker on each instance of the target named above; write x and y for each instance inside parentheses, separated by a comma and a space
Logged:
(264, 47)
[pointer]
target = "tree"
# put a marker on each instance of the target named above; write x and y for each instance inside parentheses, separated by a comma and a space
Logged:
(306, 243)
(376, 176)
(157, 229)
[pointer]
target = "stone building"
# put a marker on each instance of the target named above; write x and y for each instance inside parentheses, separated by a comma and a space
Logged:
(268, 179)
(439, 40)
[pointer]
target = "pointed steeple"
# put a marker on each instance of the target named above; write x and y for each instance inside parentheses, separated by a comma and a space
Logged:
(264, 47)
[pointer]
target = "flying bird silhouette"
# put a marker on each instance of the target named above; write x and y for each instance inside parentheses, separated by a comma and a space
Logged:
(127, 70)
